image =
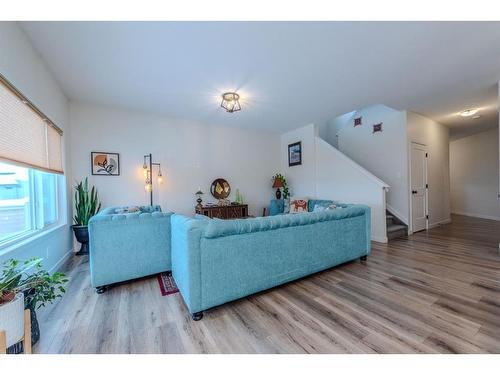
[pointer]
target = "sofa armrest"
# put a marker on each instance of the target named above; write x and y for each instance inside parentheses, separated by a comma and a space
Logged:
(128, 246)
(186, 259)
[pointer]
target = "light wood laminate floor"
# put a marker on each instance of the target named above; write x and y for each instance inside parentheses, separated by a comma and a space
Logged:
(434, 292)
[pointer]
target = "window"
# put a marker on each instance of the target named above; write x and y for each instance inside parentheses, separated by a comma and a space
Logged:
(28, 201)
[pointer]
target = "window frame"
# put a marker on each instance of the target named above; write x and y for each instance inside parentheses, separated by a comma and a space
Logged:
(36, 213)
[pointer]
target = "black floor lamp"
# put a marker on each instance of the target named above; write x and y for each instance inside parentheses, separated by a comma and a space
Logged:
(148, 169)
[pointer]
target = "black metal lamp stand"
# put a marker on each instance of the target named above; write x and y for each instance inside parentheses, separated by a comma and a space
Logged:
(148, 167)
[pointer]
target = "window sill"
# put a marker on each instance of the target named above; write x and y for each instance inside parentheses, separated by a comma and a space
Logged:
(26, 239)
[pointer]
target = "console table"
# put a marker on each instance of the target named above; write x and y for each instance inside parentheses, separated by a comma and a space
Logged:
(233, 211)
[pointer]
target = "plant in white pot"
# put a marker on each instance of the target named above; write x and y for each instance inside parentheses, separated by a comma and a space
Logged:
(25, 285)
(86, 205)
(12, 303)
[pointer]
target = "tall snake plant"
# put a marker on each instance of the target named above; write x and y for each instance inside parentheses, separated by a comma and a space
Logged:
(86, 205)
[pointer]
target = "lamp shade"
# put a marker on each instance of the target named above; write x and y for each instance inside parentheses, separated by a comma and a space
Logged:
(278, 183)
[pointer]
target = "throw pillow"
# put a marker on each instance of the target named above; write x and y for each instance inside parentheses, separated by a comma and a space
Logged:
(286, 206)
(319, 208)
(298, 205)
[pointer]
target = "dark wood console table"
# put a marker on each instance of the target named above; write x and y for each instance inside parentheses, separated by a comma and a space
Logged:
(233, 211)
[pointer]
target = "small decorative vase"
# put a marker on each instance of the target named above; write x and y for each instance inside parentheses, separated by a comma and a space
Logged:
(239, 197)
(278, 193)
(82, 236)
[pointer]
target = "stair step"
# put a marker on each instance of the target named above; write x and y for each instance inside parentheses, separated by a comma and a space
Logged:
(395, 228)
(389, 216)
(398, 234)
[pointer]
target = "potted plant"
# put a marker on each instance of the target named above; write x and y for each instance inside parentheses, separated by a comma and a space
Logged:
(86, 205)
(26, 285)
(279, 181)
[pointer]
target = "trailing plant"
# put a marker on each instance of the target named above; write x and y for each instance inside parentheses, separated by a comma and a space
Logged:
(286, 193)
(86, 204)
(38, 285)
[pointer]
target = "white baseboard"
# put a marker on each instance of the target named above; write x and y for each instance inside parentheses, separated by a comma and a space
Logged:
(445, 221)
(56, 267)
(497, 218)
(379, 239)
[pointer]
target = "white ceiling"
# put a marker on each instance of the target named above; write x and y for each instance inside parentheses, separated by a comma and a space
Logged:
(289, 73)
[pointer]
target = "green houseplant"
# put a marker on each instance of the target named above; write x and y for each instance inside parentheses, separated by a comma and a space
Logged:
(284, 185)
(28, 284)
(86, 205)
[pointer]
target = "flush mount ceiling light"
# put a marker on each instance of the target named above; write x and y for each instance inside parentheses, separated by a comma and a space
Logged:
(469, 112)
(231, 102)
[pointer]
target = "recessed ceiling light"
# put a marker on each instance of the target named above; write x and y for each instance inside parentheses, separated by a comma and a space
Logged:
(476, 117)
(469, 112)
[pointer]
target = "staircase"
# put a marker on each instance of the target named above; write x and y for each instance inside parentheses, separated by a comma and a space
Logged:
(395, 227)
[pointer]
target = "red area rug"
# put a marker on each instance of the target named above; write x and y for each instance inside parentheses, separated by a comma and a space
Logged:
(167, 284)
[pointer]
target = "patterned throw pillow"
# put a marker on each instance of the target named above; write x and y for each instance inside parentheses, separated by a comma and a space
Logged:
(298, 205)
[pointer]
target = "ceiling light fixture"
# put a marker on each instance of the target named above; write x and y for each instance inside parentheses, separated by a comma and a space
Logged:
(476, 117)
(231, 102)
(469, 112)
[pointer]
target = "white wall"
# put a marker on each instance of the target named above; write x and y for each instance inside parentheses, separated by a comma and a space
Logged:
(24, 68)
(301, 179)
(192, 155)
(333, 127)
(437, 138)
(384, 153)
(326, 173)
(339, 178)
(474, 171)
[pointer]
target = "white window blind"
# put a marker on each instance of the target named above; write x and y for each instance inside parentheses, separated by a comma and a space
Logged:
(27, 137)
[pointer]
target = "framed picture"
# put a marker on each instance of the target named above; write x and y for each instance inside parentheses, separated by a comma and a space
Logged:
(105, 163)
(377, 127)
(295, 154)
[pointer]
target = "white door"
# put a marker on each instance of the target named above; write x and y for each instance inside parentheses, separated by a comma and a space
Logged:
(419, 186)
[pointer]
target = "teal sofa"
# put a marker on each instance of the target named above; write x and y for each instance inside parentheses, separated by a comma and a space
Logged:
(217, 261)
(128, 246)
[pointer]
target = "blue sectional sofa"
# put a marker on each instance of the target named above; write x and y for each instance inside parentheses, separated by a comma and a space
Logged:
(128, 246)
(217, 261)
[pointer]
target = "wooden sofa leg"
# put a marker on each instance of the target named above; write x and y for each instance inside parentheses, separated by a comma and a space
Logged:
(100, 289)
(363, 258)
(3, 342)
(197, 316)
